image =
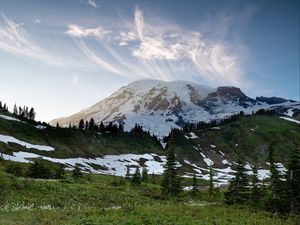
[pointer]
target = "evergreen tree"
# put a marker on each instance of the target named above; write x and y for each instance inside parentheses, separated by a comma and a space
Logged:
(195, 188)
(101, 127)
(60, 172)
(77, 172)
(39, 169)
(278, 201)
(136, 178)
(127, 176)
(81, 125)
(144, 175)
(121, 127)
(255, 190)
(92, 124)
(86, 127)
(294, 180)
(31, 115)
(15, 112)
(237, 192)
(171, 184)
(21, 111)
(211, 181)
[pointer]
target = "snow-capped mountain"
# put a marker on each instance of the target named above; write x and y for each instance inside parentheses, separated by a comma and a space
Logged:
(158, 106)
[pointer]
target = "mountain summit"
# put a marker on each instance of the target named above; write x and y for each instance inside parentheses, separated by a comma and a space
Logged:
(159, 106)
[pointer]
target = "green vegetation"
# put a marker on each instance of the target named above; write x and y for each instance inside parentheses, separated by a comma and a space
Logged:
(248, 137)
(70, 142)
(44, 193)
(99, 199)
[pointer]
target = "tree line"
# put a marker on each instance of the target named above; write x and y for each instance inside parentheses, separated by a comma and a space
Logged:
(25, 112)
(3, 107)
(280, 195)
(213, 123)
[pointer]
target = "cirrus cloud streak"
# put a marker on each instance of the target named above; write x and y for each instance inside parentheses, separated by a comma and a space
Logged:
(155, 52)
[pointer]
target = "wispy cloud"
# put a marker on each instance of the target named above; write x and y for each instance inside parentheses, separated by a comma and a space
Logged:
(15, 40)
(82, 32)
(154, 51)
(93, 3)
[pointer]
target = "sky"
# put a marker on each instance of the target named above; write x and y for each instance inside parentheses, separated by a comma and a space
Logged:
(61, 56)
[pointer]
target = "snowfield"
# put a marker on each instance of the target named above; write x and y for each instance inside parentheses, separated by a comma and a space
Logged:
(117, 165)
(9, 139)
(111, 164)
(9, 118)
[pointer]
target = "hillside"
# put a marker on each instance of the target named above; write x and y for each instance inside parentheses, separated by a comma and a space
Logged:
(220, 146)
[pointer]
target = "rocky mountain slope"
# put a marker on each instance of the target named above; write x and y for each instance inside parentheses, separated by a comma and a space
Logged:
(159, 106)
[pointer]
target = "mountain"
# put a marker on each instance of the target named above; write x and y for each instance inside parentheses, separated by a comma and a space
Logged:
(159, 106)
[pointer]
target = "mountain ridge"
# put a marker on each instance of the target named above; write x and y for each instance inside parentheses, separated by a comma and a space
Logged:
(160, 106)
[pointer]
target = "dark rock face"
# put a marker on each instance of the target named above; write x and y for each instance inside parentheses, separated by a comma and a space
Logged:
(225, 95)
(271, 100)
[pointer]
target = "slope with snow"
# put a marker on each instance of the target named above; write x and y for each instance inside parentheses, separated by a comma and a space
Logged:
(159, 106)
(9, 139)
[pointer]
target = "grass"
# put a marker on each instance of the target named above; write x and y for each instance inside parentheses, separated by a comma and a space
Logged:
(244, 137)
(146, 215)
(101, 199)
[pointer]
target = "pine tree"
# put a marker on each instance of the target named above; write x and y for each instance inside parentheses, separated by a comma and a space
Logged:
(136, 178)
(237, 192)
(92, 124)
(31, 115)
(195, 188)
(294, 180)
(278, 201)
(60, 172)
(171, 184)
(101, 127)
(81, 125)
(144, 175)
(77, 172)
(15, 112)
(128, 175)
(255, 190)
(211, 181)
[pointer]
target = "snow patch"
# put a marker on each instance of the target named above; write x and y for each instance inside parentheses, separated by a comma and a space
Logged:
(40, 127)
(290, 119)
(192, 136)
(112, 164)
(9, 139)
(9, 118)
(207, 160)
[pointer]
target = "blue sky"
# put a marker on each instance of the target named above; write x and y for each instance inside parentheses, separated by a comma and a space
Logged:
(62, 56)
